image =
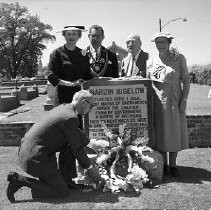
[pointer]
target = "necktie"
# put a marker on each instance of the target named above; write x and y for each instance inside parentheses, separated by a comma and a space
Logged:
(132, 66)
(96, 55)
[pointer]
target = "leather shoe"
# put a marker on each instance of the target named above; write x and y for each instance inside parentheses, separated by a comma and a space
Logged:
(13, 186)
(72, 184)
(165, 170)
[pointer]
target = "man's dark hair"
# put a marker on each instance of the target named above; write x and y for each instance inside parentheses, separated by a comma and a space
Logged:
(96, 27)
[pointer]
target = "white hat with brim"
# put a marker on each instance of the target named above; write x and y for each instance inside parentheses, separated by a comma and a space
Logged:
(162, 34)
(73, 28)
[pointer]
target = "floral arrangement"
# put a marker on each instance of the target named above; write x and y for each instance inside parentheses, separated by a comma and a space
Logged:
(118, 160)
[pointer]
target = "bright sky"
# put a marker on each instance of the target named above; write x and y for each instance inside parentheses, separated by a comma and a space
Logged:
(119, 18)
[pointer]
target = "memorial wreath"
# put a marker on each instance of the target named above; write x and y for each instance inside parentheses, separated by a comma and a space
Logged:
(121, 161)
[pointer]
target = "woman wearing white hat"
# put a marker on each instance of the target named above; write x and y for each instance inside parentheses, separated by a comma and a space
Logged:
(171, 84)
(69, 65)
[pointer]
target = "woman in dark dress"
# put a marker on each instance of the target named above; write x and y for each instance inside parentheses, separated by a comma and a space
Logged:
(69, 65)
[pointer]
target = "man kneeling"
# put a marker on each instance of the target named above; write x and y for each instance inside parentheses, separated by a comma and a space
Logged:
(57, 131)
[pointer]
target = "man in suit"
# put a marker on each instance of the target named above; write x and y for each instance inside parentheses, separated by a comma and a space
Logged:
(103, 62)
(58, 130)
(135, 63)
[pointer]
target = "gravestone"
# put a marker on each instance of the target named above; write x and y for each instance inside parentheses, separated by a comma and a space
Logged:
(118, 101)
(52, 97)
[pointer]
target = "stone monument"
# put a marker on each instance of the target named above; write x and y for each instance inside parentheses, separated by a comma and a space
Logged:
(118, 101)
(123, 101)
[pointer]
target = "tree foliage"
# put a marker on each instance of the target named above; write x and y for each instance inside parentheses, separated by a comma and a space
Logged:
(22, 39)
(200, 74)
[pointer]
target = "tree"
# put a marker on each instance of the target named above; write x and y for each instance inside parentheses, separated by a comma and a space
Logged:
(22, 39)
(202, 73)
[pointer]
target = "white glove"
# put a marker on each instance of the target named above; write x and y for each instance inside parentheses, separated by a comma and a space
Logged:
(78, 82)
(66, 83)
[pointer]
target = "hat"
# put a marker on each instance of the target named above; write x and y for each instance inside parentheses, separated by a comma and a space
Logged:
(73, 27)
(162, 34)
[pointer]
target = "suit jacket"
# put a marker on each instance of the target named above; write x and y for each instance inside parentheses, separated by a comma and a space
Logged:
(112, 68)
(57, 130)
(140, 65)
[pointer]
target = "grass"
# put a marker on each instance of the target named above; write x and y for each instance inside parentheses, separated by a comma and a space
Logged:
(192, 190)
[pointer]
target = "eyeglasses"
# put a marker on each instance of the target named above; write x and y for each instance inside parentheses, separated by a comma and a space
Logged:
(95, 36)
(91, 105)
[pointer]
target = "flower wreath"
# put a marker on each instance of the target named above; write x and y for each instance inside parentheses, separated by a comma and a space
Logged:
(118, 161)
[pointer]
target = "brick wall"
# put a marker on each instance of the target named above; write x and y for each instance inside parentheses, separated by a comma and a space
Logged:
(199, 130)
(11, 133)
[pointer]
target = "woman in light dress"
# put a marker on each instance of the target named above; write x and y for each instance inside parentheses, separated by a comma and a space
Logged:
(171, 84)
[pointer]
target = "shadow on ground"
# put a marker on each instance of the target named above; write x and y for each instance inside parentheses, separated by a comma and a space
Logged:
(190, 175)
(186, 175)
(94, 196)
